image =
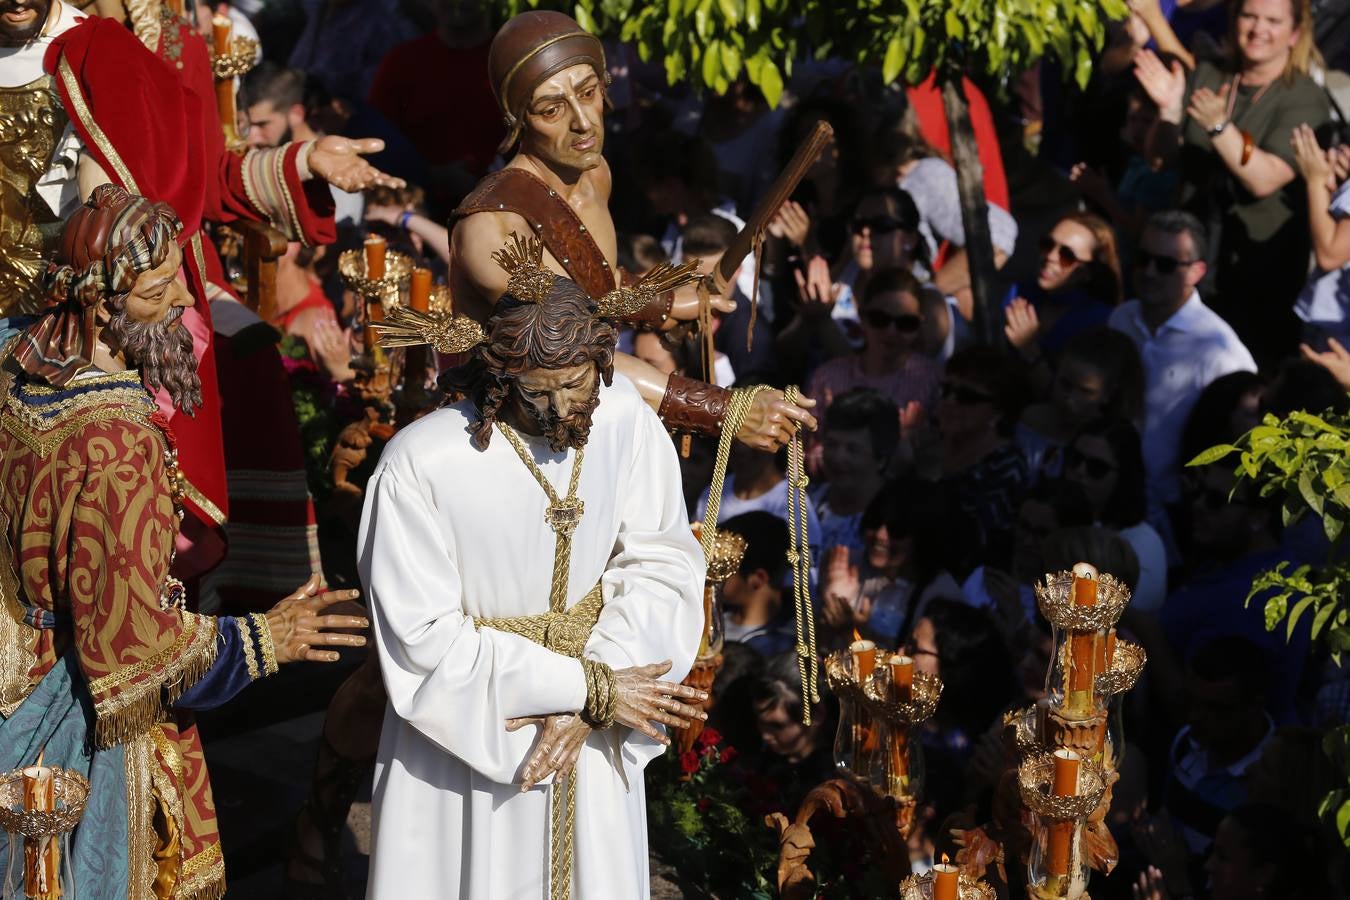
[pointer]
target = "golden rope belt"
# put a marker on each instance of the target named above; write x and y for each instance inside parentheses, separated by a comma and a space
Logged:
(799, 546)
(564, 631)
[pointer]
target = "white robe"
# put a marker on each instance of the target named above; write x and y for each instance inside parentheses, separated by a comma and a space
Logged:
(451, 532)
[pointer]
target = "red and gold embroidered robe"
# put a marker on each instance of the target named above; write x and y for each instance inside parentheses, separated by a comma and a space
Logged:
(89, 523)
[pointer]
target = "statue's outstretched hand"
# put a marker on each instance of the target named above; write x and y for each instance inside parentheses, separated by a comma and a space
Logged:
(338, 161)
(298, 628)
(772, 420)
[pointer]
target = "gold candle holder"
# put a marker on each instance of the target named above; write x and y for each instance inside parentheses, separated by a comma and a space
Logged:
(42, 805)
(237, 61)
(1061, 789)
(924, 887)
(1083, 607)
(387, 289)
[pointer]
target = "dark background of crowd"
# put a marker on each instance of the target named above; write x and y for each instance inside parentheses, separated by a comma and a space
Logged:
(1155, 302)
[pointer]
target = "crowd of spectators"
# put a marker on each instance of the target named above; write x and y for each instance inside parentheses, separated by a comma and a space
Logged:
(1174, 253)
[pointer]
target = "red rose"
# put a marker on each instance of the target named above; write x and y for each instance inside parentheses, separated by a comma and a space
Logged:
(709, 737)
(728, 754)
(689, 762)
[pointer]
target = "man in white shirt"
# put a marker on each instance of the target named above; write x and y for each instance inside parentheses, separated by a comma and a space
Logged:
(1183, 344)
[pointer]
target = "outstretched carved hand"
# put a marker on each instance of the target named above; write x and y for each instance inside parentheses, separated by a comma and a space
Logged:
(644, 700)
(686, 305)
(338, 161)
(297, 628)
(559, 746)
(772, 420)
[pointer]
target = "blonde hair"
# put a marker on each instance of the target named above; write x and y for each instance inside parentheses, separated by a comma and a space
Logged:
(1302, 56)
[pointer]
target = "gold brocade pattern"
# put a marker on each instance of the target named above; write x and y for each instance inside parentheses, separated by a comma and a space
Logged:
(32, 120)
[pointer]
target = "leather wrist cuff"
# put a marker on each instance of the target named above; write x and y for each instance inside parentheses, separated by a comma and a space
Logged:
(656, 313)
(694, 407)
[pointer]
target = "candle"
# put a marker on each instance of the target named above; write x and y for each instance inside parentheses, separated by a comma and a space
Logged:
(864, 659)
(175, 7)
(902, 677)
(419, 293)
(1082, 645)
(41, 857)
(944, 880)
(374, 313)
(375, 249)
(1065, 784)
(1110, 649)
(220, 34)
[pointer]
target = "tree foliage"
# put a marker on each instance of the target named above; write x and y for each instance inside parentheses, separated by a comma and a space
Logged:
(1304, 461)
(714, 42)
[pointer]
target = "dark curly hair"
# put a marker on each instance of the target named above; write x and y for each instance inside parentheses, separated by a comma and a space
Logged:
(560, 332)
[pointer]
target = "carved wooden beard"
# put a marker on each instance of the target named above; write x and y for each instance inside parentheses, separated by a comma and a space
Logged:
(561, 433)
(162, 351)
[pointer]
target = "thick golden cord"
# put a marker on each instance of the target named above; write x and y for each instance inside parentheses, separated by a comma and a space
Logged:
(562, 516)
(799, 556)
(738, 407)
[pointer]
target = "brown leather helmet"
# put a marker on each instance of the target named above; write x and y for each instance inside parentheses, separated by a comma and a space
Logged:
(530, 48)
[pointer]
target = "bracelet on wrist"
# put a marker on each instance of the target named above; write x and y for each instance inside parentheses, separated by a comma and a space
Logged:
(404, 219)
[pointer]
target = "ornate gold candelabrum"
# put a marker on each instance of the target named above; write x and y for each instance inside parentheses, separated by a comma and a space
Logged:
(231, 57)
(380, 277)
(39, 808)
(1061, 789)
(882, 700)
(946, 882)
(1076, 727)
(728, 549)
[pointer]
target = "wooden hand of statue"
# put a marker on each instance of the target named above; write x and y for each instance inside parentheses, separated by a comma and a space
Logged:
(298, 628)
(338, 161)
(645, 702)
(349, 452)
(773, 421)
(560, 741)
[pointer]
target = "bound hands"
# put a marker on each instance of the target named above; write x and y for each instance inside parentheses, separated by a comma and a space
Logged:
(297, 628)
(338, 161)
(642, 704)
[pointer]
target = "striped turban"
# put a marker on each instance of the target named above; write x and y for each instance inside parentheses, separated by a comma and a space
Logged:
(105, 246)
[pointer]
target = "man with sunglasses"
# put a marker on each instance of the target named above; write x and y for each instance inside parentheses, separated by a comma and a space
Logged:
(1183, 344)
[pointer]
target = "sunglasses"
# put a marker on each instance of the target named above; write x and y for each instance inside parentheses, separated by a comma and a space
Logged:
(1163, 265)
(878, 225)
(1067, 257)
(966, 396)
(905, 322)
(1095, 467)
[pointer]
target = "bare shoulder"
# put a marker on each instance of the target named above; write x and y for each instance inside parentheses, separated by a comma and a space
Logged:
(473, 242)
(602, 179)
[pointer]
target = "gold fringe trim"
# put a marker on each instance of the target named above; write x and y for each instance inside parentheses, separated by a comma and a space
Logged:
(141, 839)
(136, 707)
(203, 876)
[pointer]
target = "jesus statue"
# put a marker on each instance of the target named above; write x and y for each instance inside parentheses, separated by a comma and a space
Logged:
(532, 575)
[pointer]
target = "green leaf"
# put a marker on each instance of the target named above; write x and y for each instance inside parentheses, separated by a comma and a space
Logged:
(1212, 455)
(771, 83)
(1276, 607)
(1294, 614)
(731, 61)
(712, 63)
(1323, 616)
(894, 61)
(730, 12)
(584, 19)
(955, 28)
(1332, 525)
(752, 14)
(1310, 496)
(1307, 418)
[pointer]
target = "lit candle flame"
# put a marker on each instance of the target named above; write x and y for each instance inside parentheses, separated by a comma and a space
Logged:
(856, 636)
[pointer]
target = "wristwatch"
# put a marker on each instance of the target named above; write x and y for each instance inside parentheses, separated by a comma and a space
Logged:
(1218, 129)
